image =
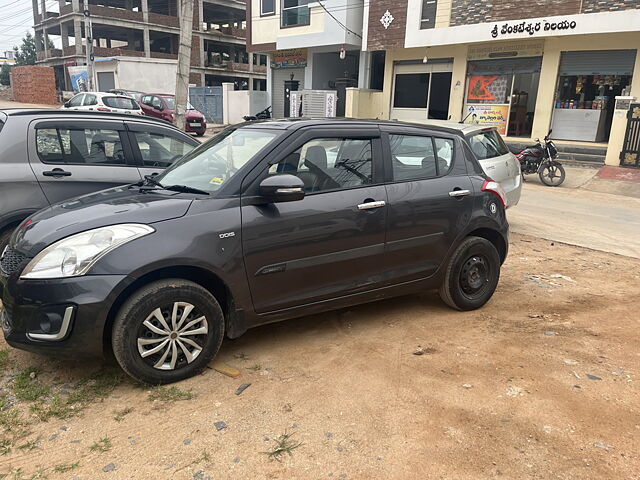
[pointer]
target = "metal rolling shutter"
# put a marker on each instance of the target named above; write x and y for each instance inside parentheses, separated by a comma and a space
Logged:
(598, 62)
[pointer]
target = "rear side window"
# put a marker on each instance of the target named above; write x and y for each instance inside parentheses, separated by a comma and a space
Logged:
(80, 146)
(487, 144)
(90, 100)
(121, 102)
(415, 157)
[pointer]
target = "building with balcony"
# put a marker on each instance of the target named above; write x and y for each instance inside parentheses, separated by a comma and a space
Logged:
(312, 45)
(144, 36)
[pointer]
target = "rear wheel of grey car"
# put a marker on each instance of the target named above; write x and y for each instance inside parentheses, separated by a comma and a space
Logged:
(167, 331)
(472, 274)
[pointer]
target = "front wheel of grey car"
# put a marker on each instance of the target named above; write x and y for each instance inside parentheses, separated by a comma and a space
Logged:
(472, 274)
(167, 331)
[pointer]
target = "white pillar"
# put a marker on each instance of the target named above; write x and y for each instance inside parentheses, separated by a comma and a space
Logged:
(226, 88)
(364, 70)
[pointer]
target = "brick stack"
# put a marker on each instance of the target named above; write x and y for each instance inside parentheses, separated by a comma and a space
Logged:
(33, 84)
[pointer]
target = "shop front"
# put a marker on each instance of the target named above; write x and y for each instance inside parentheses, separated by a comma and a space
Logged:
(502, 86)
(588, 82)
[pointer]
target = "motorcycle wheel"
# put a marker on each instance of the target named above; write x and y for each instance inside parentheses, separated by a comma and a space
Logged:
(552, 174)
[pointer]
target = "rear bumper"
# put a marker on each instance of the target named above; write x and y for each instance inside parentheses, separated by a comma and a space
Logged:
(63, 316)
(199, 129)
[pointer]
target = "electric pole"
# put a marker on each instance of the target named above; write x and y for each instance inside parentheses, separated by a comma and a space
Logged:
(184, 62)
(88, 33)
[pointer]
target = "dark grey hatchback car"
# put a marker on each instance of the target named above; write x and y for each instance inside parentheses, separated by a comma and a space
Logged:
(265, 222)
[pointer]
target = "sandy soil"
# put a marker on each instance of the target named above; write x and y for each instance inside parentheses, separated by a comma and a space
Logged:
(542, 383)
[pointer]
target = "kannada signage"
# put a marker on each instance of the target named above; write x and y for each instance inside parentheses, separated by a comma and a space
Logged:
(489, 115)
(294, 58)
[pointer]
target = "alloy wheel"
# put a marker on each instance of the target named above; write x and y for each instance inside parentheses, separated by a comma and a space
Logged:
(172, 336)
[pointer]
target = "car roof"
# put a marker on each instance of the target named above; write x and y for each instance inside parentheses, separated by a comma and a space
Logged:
(50, 112)
(297, 123)
(464, 128)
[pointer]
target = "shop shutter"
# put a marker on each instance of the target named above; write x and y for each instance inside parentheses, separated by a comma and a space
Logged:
(598, 62)
(280, 75)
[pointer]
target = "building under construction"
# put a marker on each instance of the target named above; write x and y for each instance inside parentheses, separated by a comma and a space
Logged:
(145, 34)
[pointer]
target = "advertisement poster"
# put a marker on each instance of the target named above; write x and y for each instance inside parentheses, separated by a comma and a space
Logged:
(79, 78)
(489, 116)
(489, 88)
(294, 58)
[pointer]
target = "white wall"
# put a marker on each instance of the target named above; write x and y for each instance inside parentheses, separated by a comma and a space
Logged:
(147, 75)
(243, 102)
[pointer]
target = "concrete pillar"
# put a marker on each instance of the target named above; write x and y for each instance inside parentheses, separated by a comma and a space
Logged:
(45, 42)
(64, 35)
(61, 3)
(616, 137)
(269, 78)
(38, 40)
(226, 88)
(200, 14)
(36, 16)
(145, 11)
(147, 42)
(364, 70)
(77, 28)
(43, 8)
(75, 4)
(546, 91)
(308, 72)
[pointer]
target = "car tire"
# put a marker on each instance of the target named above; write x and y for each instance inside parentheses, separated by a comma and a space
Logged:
(186, 339)
(199, 134)
(472, 274)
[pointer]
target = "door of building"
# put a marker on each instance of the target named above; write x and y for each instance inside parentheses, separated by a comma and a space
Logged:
(106, 81)
(421, 91)
(278, 77)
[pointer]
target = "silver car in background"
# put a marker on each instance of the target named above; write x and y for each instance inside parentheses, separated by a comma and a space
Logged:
(494, 156)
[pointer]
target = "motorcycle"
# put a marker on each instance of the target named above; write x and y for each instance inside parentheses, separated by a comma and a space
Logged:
(541, 159)
(263, 115)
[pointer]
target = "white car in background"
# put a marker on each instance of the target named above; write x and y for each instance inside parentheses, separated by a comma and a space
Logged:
(104, 102)
(494, 156)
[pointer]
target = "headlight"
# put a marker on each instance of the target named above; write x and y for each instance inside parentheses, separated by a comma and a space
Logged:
(75, 255)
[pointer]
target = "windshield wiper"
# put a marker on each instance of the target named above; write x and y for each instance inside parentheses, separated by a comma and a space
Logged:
(184, 189)
(150, 180)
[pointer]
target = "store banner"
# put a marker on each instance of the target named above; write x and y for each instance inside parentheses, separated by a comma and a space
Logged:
(79, 78)
(488, 88)
(489, 115)
(294, 58)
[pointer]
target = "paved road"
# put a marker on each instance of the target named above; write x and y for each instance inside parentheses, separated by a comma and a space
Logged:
(576, 216)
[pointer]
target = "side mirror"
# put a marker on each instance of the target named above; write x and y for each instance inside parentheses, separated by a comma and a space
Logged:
(66, 105)
(282, 188)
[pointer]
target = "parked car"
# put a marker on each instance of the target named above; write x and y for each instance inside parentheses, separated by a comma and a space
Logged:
(103, 102)
(494, 156)
(48, 156)
(164, 106)
(254, 227)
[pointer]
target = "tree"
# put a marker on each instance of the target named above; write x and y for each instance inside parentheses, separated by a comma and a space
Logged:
(4, 74)
(26, 53)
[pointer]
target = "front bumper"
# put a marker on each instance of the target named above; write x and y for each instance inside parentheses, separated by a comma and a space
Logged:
(62, 316)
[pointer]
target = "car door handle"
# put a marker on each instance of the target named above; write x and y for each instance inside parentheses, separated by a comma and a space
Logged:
(371, 205)
(459, 193)
(56, 172)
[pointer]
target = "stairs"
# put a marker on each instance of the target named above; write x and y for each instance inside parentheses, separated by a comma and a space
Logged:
(568, 152)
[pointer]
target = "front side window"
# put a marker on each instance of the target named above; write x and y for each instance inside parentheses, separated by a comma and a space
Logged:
(160, 150)
(487, 144)
(411, 90)
(267, 7)
(215, 162)
(428, 17)
(330, 164)
(295, 12)
(76, 101)
(415, 157)
(80, 146)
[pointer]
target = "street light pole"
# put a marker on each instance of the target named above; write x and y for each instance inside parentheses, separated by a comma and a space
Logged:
(184, 62)
(88, 32)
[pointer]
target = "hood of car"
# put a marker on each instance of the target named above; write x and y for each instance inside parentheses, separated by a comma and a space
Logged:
(108, 207)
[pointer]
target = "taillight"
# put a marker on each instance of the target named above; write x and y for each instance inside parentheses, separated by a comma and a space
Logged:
(103, 109)
(494, 187)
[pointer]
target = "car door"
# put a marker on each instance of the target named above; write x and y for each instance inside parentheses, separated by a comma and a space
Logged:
(430, 200)
(329, 244)
(156, 148)
(74, 157)
(145, 103)
(90, 102)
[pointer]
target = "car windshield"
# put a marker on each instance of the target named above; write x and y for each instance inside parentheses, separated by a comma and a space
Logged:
(215, 162)
(171, 103)
(487, 144)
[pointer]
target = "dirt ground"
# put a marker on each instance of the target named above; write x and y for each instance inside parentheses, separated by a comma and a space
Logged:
(542, 383)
